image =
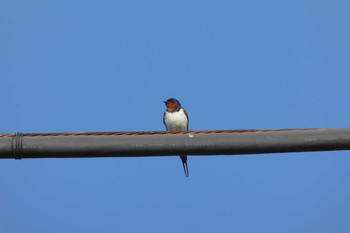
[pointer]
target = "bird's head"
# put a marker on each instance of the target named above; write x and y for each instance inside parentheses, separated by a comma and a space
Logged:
(172, 104)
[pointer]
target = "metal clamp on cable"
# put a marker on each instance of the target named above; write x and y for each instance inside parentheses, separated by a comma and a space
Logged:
(17, 141)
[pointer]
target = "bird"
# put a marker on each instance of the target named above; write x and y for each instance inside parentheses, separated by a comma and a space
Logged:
(175, 118)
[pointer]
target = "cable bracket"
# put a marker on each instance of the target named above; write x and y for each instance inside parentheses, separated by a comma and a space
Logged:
(17, 143)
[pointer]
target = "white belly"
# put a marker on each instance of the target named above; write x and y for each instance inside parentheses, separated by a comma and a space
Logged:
(176, 120)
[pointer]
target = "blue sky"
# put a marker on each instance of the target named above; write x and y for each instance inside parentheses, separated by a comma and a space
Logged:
(108, 65)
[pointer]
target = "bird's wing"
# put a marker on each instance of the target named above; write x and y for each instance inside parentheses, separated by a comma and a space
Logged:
(188, 119)
(164, 120)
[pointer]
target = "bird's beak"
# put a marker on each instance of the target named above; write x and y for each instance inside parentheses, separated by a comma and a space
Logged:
(164, 101)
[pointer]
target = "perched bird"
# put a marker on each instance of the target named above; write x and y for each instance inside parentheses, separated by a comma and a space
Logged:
(175, 119)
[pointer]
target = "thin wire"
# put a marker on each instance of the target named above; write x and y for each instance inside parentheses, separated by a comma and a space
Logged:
(154, 132)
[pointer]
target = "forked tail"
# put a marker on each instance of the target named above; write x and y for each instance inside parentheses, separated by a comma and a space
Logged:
(184, 164)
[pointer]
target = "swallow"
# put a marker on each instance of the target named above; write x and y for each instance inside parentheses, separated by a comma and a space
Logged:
(175, 119)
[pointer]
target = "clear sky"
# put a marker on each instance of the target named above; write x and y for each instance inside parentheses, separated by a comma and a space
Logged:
(108, 65)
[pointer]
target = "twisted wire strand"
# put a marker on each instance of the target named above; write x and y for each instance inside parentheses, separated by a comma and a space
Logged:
(152, 132)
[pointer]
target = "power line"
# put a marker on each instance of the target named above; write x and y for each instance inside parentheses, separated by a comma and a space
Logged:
(149, 132)
(163, 143)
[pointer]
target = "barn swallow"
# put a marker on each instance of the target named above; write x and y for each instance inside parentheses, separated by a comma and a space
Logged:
(175, 119)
